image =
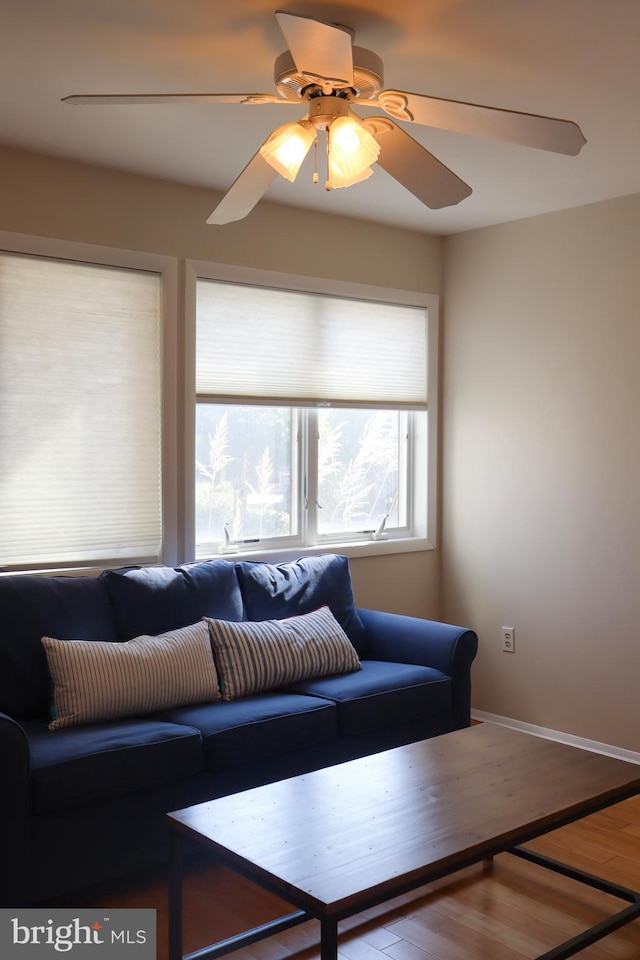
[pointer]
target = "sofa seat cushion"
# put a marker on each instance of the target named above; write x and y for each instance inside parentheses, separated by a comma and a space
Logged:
(258, 727)
(70, 768)
(382, 695)
(274, 591)
(152, 600)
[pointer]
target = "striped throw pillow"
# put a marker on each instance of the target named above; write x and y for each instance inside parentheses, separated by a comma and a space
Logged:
(98, 680)
(262, 655)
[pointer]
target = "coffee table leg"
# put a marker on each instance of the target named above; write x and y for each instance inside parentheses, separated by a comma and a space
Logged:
(329, 939)
(175, 897)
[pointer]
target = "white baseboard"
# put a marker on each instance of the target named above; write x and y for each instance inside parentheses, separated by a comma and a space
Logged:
(568, 738)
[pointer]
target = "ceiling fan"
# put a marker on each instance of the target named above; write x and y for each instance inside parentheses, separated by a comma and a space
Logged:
(325, 71)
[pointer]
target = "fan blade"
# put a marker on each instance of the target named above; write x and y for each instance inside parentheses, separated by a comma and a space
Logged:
(125, 98)
(245, 191)
(529, 129)
(414, 167)
(321, 52)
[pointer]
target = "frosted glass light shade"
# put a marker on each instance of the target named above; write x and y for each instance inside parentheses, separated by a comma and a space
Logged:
(338, 178)
(287, 147)
(352, 150)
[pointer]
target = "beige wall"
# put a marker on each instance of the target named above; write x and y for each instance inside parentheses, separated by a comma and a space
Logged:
(541, 465)
(541, 396)
(72, 201)
(52, 197)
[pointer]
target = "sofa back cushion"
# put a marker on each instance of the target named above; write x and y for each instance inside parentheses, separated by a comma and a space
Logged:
(152, 600)
(31, 607)
(275, 591)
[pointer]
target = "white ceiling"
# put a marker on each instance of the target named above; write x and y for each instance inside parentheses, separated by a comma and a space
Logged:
(574, 59)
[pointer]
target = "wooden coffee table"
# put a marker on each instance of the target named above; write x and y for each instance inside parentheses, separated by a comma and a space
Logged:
(340, 840)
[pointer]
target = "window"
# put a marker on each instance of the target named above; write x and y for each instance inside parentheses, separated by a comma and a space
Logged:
(81, 393)
(311, 412)
(305, 418)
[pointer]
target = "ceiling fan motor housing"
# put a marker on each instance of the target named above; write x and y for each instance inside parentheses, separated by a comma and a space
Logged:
(368, 76)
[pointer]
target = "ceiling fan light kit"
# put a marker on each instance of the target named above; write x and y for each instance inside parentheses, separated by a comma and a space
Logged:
(323, 69)
(351, 148)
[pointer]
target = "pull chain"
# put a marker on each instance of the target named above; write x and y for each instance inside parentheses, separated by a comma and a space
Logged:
(327, 185)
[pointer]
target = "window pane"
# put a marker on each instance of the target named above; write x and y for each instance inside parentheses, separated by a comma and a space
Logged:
(358, 470)
(243, 473)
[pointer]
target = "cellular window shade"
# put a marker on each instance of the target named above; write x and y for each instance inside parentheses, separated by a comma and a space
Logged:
(305, 348)
(80, 413)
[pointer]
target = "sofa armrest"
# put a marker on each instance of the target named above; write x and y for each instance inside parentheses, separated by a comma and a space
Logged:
(15, 813)
(402, 639)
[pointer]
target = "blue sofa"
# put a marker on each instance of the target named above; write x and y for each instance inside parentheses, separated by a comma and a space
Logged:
(86, 804)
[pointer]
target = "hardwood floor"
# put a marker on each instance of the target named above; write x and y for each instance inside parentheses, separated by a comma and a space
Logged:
(508, 910)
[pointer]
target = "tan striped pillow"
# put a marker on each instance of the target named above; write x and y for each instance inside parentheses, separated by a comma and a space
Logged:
(98, 680)
(252, 656)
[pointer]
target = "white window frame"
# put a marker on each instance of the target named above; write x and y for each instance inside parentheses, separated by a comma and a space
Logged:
(167, 269)
(425, 441)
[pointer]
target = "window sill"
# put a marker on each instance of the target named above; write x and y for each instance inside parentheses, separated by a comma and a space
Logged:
(352, 550)
(368, 548)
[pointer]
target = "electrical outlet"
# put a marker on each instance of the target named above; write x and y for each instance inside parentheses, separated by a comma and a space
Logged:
(508, 640)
